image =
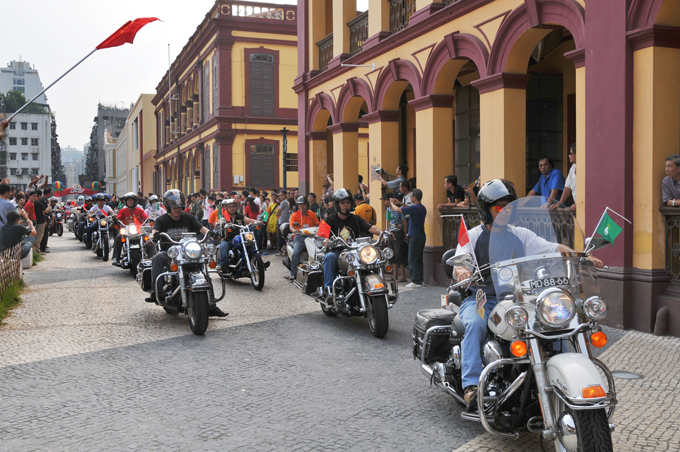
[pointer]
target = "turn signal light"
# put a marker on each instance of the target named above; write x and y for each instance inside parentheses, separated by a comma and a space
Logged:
(229, 230)
(115, 226)
(151, 224)
(351, 273)
(146, 238)
(518, 348)
(173, 267)
(122, 239)
(593, 392)
(378, 286)
(598, 339)
(212, 264)
(388, 268)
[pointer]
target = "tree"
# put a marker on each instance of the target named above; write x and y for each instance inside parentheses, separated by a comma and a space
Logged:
(13, 100)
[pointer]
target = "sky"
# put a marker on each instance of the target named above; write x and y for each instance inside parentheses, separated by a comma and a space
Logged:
(54, 35)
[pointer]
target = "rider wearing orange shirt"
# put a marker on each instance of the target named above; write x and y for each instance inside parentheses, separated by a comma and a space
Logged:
(303, 218)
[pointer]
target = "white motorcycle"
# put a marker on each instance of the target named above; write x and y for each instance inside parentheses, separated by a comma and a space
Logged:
(539, 373)
(312, 247)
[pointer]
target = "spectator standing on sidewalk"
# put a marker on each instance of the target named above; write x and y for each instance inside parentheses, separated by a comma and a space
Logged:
(416, 232)
(41, 205)
(283, 212)
(395, 222)
(6, 206)
(47, 192)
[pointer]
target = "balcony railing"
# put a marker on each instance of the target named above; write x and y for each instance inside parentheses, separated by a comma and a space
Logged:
(325, 52)
(358, 32)
(448, 2)
(400, 13)
(672, 215)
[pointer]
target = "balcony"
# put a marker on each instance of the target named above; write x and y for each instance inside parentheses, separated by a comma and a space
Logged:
(400, 13)
(358, 32)
(325, 52)
(672, 215)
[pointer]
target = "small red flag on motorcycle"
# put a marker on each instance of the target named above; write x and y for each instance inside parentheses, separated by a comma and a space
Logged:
(126, 33)
(463, 238)
(324, 230)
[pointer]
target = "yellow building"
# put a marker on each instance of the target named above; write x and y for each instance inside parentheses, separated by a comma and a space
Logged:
(141, 145)
(482, 88)
(230, 97)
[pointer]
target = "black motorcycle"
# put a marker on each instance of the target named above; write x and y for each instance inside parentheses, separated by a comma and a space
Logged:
(244, 257)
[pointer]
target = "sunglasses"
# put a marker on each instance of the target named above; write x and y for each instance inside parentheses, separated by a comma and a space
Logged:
(499, 208)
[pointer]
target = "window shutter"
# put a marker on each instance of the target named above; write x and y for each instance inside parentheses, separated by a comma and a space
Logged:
(262, 172)
(214, 81)
(206, 92)
(255, 88)
(262, 84)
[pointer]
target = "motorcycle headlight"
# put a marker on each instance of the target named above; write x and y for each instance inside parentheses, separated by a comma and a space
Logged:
(123, 231)
(517, 317)
(249, 236)
(595, 308)
(210, 249)
(387, 253)
(58, 215)
(368, 254)
(102, 222)
(132, 229)
(555, 307)
(173, 252)
(193, 250)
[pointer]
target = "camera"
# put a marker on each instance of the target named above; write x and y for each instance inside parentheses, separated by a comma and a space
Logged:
(380, 171)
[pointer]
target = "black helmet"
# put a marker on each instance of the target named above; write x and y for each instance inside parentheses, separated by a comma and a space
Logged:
(131, 194)
(341, 195)
(492, 192)
(173, 199)
(302, 200)
(100, 197)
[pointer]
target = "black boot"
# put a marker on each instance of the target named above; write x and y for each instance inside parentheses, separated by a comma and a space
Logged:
(217, 312)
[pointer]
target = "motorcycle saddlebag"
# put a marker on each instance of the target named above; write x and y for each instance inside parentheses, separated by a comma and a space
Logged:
(437, 347)
(145, 275)
(309, 280)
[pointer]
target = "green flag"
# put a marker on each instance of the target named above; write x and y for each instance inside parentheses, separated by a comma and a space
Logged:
(390, 217)
(608, 229)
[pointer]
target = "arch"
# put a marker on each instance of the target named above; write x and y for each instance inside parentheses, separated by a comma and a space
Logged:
(643, 13)
(353, 88)
(455, 45)
(321, 101)
(396, 70)
(528, 16)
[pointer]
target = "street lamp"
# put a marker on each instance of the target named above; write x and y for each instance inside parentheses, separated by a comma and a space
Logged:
(285, 131)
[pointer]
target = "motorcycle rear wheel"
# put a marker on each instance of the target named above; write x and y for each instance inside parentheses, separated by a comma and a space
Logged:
(105, 246)
(198, 313)
(257, 273)
(378, 321)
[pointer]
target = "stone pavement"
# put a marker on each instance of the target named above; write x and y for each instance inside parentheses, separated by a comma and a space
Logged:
(86, 365)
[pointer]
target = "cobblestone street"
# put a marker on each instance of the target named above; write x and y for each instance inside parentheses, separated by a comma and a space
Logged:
(87, 365)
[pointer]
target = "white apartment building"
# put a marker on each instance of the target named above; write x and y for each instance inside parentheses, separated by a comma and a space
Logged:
(28, 141)
(20, 76)
(115, 152)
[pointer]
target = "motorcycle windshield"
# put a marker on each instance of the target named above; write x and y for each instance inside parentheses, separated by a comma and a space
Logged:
(533, 247)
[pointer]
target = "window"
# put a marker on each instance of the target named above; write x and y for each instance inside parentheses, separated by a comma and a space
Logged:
(262, 84)
(34, 171)
(35, 157)
(135, 135)
(34, 126)
(34, 141)
(12, 141)
(467, 134)
(214, 82)
(19, 81)
(24, 171)
(13, 156)
(24, 156)
(21, 89)
(24, 141)
(12, 126)
(216, 168)
(3, 158)
(262, 172)
(206, 92)
(24, 126)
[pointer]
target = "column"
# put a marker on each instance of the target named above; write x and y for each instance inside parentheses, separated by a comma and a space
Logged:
(343, 12)
(424, 9)
(378, 22)
(434, 141)
(502, 115)
(383, 139)
(316, 30)
(224, 142)
(224, 45)
(346, 155)
(318, 162)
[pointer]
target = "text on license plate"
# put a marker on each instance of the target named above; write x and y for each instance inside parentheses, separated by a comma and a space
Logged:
(548, 282)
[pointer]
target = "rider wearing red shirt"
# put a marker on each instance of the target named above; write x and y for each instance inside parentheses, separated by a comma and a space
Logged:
(131, 214)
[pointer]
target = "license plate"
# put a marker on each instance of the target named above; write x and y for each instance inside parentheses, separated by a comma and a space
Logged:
(132, 247)
(548, 282)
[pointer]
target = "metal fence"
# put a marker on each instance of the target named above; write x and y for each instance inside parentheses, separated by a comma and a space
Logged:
(325, 52)
(10, 266)
(358, 32)
(672, 215)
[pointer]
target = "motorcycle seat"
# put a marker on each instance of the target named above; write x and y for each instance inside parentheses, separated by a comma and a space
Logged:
(428, 318)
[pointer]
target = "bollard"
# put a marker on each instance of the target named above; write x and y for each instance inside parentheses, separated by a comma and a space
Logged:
(661, 325)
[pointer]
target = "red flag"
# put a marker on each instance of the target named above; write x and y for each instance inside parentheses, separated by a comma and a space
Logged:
(463, 238)
(324, 230)
(126, 33)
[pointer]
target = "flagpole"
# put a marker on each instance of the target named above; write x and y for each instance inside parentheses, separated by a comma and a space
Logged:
(607, 208)
(50, 86)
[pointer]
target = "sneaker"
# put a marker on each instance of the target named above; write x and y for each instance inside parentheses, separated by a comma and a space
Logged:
(264, 253)
(288, 277)
(470, 398)
(413, 286)
(42, 253)
(115, 261)
(217, 312)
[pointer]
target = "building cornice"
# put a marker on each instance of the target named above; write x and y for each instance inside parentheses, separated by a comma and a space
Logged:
(500, 81)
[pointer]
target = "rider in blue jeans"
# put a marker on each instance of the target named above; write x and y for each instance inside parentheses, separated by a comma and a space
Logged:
(491, 200)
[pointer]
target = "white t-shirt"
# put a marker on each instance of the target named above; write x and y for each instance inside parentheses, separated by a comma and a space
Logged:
(571, 180)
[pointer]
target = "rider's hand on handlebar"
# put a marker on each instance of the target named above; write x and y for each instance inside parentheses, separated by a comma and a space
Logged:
(462, 273)
(596, 262)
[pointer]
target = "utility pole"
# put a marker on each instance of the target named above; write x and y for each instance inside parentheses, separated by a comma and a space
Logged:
(285, 131)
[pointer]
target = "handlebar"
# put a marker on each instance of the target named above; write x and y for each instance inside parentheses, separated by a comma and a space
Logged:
(163, 234)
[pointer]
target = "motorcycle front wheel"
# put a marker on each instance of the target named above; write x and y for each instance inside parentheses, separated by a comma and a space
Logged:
(60, 230)
(198, 313)
(135, 257)
(105, 246)
(378, 321)
(591, 431)
(257, 273)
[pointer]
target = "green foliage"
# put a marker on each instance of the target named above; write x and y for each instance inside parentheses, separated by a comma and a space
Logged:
(14, 100)
(37, 257)
(10, 298)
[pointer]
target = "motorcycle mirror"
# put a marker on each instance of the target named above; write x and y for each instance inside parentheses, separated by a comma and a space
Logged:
(461, 260)
(448, 269)
(595, 243)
